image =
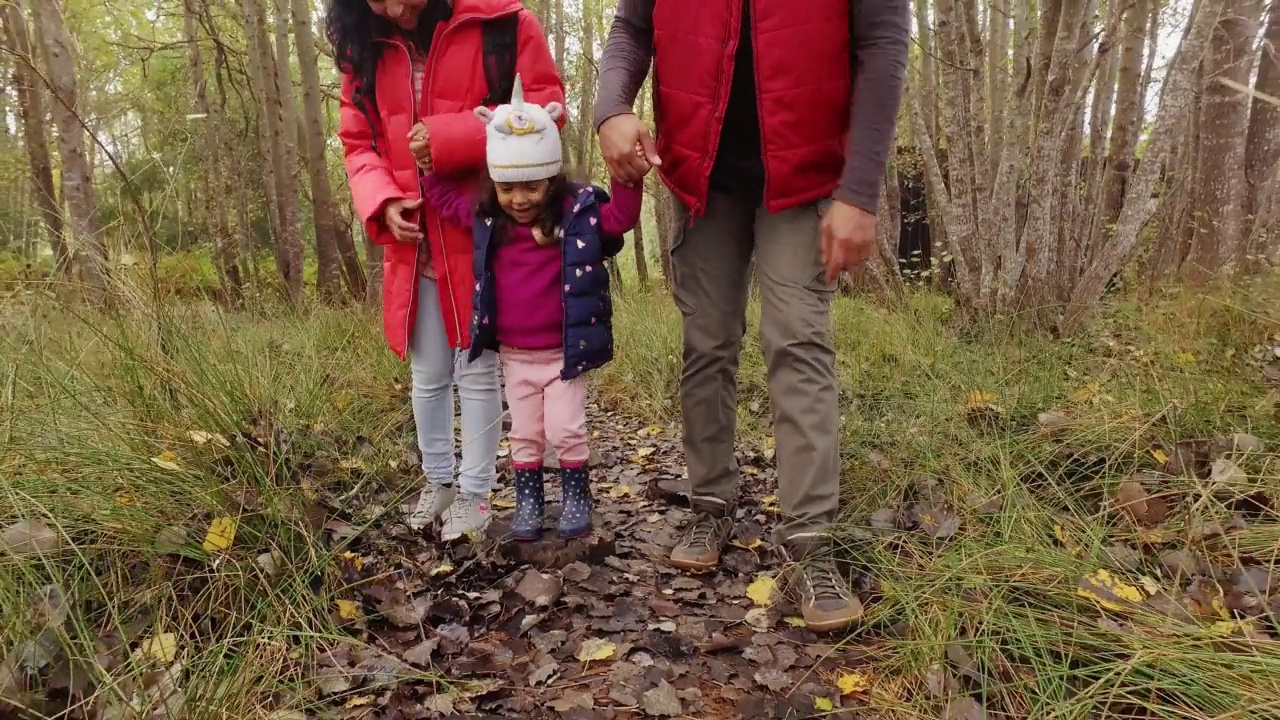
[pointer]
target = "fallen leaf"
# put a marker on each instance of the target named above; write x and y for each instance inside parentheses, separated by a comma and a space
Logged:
(978, 398)
(770, 503)
(125, 497)
(200, 437)
(594, 650)
(1053, 421)
(645, 452)
(618, 491)
(759, 619)
(750, 545)
(28, 537)
(441, 569)
(661, 701)
(823, 704)
(1133, 500)
(539, 589)
(440, 703)
(162, 647)
(965, 708)
(1159, 455)
(569, 700)
(358, 701)
(795, 622)
(349, 610)
(761, 591)
(502, 504)
(1226, 471)
(939, 521)
(351, 464)
(1103, 588)
(774, 679)
(167, 460)
(222, 532)
(850, 683)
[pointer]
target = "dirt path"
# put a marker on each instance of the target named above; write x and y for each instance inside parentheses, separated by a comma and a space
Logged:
(600, 628)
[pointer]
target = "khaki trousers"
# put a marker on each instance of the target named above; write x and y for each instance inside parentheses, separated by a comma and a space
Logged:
(711, 260)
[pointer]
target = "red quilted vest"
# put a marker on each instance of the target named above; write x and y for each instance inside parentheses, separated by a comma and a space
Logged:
(802, 70)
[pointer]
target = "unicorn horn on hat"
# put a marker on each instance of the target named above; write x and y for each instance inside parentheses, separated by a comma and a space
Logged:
(517, 94)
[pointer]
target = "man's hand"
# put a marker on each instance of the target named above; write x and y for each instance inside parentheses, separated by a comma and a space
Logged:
(400, 218)
(420, 146)
(628, 148)
(848, 235)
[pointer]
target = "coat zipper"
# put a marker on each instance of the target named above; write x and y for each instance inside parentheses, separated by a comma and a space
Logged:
(428, 77)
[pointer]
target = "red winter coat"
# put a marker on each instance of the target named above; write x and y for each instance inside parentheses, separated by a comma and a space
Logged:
(802, 72)
(453, 85)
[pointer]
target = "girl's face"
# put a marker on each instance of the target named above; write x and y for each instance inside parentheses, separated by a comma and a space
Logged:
(523, 201)
(404, 13)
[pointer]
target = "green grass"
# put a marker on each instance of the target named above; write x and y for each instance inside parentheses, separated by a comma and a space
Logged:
(89, 399)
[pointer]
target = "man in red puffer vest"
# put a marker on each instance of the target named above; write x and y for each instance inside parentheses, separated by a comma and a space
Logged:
(774, 121)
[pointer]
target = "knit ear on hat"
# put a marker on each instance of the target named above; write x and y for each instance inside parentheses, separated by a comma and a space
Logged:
(555, 110)
(485, 114)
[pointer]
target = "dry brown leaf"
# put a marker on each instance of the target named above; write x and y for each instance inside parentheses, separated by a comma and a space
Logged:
(28, 537)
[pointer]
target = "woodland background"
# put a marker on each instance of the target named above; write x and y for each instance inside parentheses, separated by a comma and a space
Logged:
(1059, 385)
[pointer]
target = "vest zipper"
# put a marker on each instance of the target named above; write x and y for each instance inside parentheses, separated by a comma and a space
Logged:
(716, 126)
(755, 73)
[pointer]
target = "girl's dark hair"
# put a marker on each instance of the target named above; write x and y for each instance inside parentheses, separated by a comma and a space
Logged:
(558, 192)
(352, 28)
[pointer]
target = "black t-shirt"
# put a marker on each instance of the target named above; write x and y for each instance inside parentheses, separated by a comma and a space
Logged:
(738, 169)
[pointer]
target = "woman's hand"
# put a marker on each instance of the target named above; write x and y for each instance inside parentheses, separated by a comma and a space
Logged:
(400, 217)
(420, 146)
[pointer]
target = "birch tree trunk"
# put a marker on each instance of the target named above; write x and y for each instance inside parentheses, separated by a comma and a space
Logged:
(1176, 93)
(87, 244)
(31, 113)
(1219, 192)
(332, 237)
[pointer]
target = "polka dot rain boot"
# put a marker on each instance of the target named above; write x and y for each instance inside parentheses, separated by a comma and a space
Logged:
(575, 518)
(530, 505)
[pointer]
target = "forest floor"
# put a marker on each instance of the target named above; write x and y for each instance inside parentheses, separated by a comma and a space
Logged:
(201, 517)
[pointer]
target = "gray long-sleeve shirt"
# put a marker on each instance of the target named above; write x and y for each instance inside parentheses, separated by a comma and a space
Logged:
(881, 29)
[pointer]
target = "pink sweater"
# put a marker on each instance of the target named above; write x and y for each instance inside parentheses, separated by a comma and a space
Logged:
(527, 276)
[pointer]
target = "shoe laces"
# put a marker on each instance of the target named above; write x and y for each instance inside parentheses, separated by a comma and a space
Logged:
(702, 532)
(463, 507)
(824, 582)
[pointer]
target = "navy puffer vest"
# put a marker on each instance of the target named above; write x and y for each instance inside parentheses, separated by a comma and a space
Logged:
(588, 310)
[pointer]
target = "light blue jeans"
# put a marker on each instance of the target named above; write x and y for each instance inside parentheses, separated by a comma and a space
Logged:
(436, 368)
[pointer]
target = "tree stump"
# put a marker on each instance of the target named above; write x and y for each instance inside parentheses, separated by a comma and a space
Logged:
(553, 552)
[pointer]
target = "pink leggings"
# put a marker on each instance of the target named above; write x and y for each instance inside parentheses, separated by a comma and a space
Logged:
(544, 409)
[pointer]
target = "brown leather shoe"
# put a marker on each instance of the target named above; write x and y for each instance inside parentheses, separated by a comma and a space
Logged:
(827, 603)
(700, 546)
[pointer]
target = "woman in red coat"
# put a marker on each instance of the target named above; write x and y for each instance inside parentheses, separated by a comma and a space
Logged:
(405, 64)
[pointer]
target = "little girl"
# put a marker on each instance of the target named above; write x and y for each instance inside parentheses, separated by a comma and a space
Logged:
(541, 296)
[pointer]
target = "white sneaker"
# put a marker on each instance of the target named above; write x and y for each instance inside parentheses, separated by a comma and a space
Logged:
(468, 514)
(432, 504)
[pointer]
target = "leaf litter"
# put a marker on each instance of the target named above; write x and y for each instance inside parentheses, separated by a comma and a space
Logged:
(586, 633)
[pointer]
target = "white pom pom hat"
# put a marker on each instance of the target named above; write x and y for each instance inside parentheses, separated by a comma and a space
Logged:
(522, 141)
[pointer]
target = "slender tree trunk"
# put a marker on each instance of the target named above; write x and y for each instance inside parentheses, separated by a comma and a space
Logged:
(288, 192)
(586, 88)
(559, 33)
(213, 182)
(288, 243)
(332, 238)
(1126, 125)
(1262, 149)
(77, 181)
(31, 113)
(1220, 187)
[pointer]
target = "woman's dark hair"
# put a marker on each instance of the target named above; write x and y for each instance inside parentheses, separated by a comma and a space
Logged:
(352, 29)
(487, 206)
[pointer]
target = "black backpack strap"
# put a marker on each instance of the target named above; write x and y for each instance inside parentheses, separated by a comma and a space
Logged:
(498, 38)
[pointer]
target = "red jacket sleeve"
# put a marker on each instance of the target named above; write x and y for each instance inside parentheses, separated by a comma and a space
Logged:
(368, 173)
(457, 139)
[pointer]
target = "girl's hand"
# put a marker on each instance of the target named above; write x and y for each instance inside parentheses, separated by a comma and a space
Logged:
(420, 146)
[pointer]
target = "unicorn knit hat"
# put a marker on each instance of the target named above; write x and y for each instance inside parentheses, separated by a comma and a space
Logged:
(522, 141)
